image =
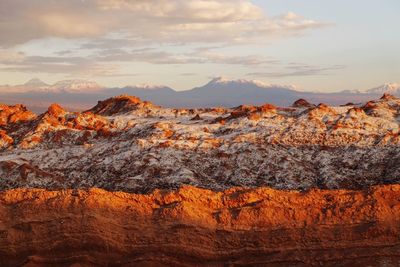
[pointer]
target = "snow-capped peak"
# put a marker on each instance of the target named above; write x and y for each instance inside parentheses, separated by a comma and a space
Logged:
(75, 85)
(35, 82)
(147, 86)
(391, 88)
(226, 81)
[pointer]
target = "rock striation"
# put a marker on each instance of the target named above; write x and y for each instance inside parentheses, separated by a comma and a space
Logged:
(198, 227)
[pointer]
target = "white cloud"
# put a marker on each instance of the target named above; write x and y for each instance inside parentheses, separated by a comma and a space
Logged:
(152, 21)
(187, 10)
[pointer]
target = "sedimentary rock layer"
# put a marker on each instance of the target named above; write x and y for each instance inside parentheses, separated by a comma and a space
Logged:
(191, 226)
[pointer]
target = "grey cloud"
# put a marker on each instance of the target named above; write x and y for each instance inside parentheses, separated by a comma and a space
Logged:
(63, 52)
(199, 56)
(67, 65)
(106, 62)
(297, 70)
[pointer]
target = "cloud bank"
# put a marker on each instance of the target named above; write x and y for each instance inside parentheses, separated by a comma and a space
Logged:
(103, 34)
(148, 21)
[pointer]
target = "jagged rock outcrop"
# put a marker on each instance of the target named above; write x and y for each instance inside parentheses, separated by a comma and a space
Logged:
(55, 127)
(14, 114)
(196, 227)
(119, 105)
(302, 103)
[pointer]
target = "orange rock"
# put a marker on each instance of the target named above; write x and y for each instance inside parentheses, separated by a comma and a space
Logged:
(302, 103)
(324, 107)
(193, 227)
(5, 138)
(267, 108)
(254, 116)
(321, 109)
(119, 104)
(168, 133)
(237, 114)
(56, 110)
(217, 110)
(15, 114)
(387, 96)
(245, 108)
(165, 144)
(356, 112)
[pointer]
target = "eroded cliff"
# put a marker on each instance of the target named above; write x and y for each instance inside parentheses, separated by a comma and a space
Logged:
(191, 227)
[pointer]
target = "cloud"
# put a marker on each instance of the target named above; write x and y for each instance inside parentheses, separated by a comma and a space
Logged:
(80, 66)
(107, 62)
(22, 21)
(8, 56)
(198, 56)
(187, 10)
(63, 52)
(297, 70)
(98, 36)
(150, 21)
(211, 56)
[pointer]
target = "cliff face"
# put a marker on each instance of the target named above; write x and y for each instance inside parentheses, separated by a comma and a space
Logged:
(191, 227)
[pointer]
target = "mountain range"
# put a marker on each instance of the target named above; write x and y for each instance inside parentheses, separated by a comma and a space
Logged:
(81, 94)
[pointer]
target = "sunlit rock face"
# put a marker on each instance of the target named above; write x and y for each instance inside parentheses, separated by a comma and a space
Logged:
(129, 183)
(198, 227)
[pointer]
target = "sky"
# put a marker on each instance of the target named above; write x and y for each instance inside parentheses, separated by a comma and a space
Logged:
(318, 45)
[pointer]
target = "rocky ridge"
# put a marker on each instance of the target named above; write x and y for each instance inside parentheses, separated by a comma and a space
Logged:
(126, 144)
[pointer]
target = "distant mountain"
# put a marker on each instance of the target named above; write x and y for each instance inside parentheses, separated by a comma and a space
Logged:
(82, 94)
(223, 92)
(34, 83)
(148, 92)
(390, 88)
(37, 85)
(75, 86)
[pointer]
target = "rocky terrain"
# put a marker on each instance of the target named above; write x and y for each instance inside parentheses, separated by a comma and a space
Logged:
(130, 183)
(129, 145)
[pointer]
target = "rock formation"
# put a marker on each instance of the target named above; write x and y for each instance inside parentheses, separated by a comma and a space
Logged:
(197, 227)
(148, 147)
(119, 185)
